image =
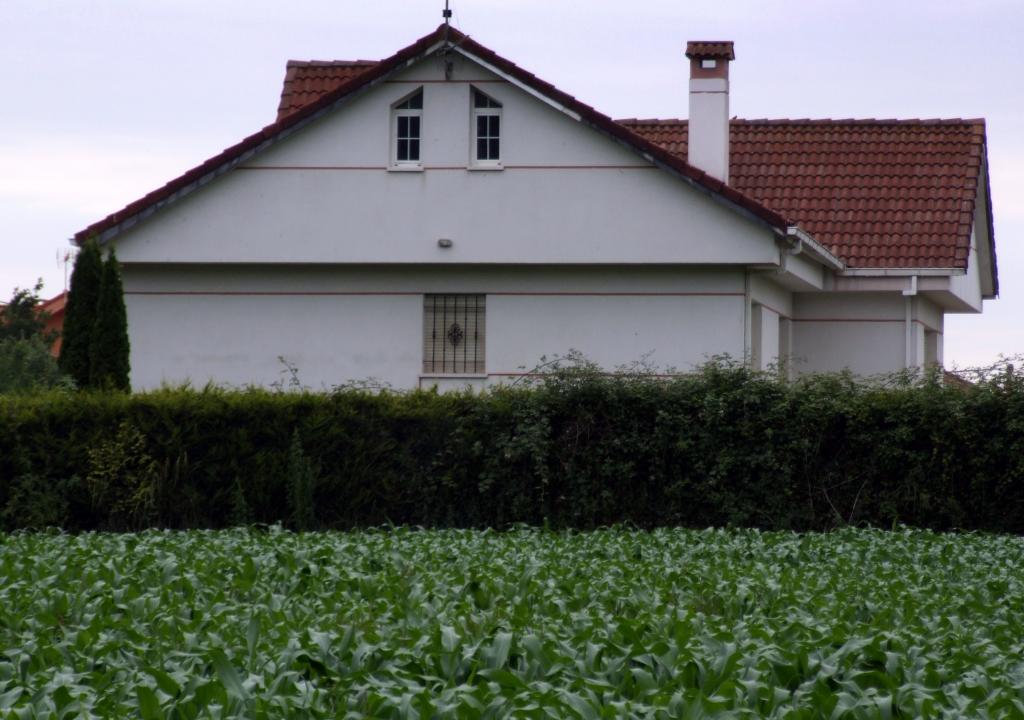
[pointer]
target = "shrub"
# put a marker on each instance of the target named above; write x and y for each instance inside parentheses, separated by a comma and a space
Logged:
(722, 446)
(301, 480)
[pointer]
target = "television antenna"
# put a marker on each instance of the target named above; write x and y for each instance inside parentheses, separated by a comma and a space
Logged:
(447, 15)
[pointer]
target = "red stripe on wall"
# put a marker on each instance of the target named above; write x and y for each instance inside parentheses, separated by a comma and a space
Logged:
(922, 323)
(848, 320)
(385, 168)
(274, 293)
(261, 293)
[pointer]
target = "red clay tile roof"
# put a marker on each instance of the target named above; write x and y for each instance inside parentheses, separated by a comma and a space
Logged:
(719, 49)
(306, 81)
(877, 193)
(229, 158)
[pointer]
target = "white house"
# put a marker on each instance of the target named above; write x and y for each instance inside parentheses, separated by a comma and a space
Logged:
(444, 217)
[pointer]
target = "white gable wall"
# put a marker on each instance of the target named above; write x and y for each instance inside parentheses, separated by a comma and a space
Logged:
(567, 195)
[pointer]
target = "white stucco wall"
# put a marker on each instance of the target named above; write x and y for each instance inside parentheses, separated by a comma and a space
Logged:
(567, 194)
(764, 337)
(230, 325)
(863, 332)
(765, 290)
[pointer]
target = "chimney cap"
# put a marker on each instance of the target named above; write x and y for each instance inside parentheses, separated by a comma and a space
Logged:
(708, 49)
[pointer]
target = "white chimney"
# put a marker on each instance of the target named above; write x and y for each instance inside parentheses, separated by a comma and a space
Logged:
(708, 142)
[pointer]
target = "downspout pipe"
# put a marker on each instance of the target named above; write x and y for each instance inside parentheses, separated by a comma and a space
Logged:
(909, 294)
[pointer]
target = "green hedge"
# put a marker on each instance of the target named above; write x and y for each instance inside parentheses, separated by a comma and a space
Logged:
(722, 446)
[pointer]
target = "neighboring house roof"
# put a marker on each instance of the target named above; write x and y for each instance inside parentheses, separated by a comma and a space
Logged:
(232, 156)
(306, 81)
(877, 193)
(54, 308)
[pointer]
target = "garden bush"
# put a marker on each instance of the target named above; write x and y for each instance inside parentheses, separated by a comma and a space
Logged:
(719, 447)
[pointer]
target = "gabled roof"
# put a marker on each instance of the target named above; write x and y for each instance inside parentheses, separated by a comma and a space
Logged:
(375, 73)
(877, 193)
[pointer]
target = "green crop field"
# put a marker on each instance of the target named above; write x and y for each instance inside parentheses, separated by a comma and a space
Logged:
(526, 623)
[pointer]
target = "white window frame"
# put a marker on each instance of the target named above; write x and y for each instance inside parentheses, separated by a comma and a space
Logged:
(474, 160)
(400, 112)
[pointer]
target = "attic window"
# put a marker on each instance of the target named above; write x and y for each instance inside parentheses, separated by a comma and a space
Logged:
(486, 130)
(406, 129)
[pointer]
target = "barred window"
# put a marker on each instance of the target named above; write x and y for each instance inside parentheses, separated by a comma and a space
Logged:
(453, 334)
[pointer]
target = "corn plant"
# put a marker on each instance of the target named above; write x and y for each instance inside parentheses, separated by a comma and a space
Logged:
(265, 623)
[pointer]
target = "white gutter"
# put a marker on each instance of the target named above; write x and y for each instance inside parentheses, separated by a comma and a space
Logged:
(902, 272)
(802, 241)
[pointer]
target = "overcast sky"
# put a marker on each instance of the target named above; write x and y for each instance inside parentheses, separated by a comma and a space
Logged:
(102, 101)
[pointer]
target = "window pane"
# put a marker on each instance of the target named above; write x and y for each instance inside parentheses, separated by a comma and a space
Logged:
(481, 125)
(403, 150)
(479, 99)
(481, 149)
(413, 103)
(414, 126)
(403, 127)
(493, 149)
(414, 150)
(494, 121)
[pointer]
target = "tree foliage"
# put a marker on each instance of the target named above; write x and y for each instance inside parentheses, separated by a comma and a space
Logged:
(108, 351)
(21, 318)
(80, 314)
(26, 365)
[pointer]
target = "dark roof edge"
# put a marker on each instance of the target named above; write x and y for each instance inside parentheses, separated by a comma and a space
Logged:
(991, 228)
(232, 156)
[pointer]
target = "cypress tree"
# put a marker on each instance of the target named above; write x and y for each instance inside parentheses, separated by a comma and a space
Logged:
(109, 350)
(80, 314)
